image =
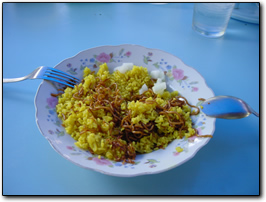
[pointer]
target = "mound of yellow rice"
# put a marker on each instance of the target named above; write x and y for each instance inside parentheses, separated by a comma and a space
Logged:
(96, 130)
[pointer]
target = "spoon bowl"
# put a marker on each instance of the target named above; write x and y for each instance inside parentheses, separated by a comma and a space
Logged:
(227, 107)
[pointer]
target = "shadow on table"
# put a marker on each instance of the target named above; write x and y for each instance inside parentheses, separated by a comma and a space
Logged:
(183, 180)
(21, 95)
(239, 33)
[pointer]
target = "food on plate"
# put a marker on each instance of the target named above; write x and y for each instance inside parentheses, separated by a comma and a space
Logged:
(121, 114)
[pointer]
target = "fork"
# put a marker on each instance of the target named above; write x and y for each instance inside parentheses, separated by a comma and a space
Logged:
(48, 73)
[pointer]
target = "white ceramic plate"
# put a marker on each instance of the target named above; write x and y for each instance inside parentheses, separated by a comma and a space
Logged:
(181, 77)
(247, 12)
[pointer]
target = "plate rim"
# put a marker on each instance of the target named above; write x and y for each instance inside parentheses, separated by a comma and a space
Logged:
(137, 173)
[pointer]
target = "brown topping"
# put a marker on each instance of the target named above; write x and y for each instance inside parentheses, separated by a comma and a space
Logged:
(201, 99)
(192, 106)
(63, 115)
(105, 97)
(202, 135)
(55, 95)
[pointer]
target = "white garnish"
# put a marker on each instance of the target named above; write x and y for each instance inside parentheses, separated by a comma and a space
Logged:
(160, 84)
(157, 74)
(159, 87)
(124, 67)
(143, 89)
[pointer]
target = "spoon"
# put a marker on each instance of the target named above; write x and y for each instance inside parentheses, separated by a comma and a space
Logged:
(226, 107)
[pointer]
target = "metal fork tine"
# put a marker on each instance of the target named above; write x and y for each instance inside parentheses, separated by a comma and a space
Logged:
(59, 72)
(58, 81)
(50, 74)
(60, 78)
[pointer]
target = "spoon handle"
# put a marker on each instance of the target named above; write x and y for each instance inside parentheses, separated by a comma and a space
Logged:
(254, 112)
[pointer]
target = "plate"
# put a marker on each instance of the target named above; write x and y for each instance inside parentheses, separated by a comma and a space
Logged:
(181, 77)
(247, 12)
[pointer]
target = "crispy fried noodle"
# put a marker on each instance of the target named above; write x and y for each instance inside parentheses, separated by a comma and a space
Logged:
(107, 115)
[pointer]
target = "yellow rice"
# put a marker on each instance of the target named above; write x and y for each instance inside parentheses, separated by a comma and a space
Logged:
(76, 117)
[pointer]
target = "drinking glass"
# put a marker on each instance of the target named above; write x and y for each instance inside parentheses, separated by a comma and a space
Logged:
(211, 19)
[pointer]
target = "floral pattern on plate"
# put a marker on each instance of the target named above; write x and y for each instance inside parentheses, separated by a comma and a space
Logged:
(96, 60)
(173, 72)
(181, 77)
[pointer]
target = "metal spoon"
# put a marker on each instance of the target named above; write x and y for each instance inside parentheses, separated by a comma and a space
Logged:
(227, 107)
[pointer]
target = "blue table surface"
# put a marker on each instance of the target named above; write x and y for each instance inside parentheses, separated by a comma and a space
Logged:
(36, 34)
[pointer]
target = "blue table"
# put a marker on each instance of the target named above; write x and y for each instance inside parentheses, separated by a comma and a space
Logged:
(36, 34)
